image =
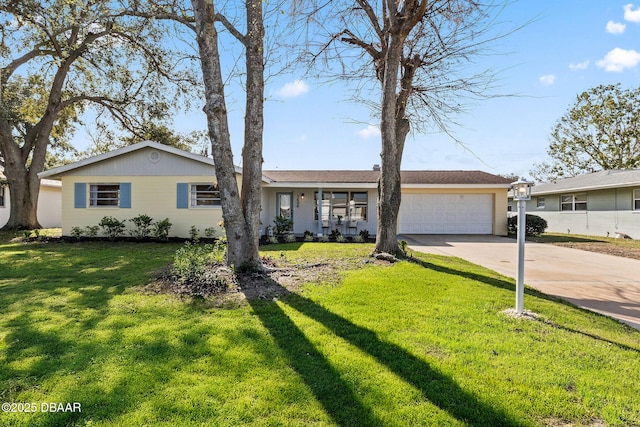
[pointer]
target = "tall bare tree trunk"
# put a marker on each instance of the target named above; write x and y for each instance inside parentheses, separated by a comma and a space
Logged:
(253, 131)
(241, 217)
(392, 146)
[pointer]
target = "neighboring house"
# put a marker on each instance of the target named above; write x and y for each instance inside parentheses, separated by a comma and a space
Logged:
(603, 203)
(163, 182)
(49, 204)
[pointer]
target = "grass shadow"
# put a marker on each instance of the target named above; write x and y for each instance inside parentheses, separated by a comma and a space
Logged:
(440, 389)
(504, 284)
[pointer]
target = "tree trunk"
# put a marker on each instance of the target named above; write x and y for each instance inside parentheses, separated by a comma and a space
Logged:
(23, 196)
(253, 131)
(241, 234)
(391, 156)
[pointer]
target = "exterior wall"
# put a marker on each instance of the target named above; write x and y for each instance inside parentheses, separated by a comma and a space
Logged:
(499, 202)
(151, 195)
(303, 209)
(49, 207)
(608, 212)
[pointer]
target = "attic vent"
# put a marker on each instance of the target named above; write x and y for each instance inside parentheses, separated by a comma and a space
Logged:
(154, 156)
(376, 167)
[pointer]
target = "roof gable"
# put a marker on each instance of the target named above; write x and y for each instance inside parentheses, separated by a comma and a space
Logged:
(143, 158)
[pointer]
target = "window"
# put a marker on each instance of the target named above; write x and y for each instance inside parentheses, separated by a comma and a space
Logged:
(347, 205)
(205, 195)
(540, 202)
(574, 202)
(358, 204)
(1, 196)
(101, 195)
(636, 200)
(339, 205)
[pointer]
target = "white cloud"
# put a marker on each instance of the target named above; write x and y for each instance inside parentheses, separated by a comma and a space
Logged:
(293, 89)
(579, 66)
(547, 79)
(369, 131)
(630, 14)
(615, 27)
(619, 59)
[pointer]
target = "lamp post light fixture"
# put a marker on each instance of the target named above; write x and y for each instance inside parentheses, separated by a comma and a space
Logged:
(521, 191)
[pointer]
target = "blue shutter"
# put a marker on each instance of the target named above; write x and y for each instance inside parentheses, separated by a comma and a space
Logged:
(125, 194)
(80, 195)
(183, 195)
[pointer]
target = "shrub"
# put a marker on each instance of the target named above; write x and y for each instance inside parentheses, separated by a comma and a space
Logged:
(534, 225)
(364, 234)
(112, 227)
(210, 232)
(358, 239)
(26, 234)
(335, 233)
(340, 238)
(76, 232)
(194, 233)
(143, 226)
(308, 237)
(323, 238)
(92, 230)
(273, 240)
(196, 270)
(161, 229)
(282, 225)
(290, 238)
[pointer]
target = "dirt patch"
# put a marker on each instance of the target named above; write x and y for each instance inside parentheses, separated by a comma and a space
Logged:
(603, 248)
(279, 278)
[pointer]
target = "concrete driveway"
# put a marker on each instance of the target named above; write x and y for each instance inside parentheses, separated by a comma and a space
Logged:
(603, 283)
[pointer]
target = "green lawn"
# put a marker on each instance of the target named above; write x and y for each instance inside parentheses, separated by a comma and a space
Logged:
(410, 344)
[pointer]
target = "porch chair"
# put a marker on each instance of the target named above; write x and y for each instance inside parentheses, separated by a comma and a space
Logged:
(353, 224)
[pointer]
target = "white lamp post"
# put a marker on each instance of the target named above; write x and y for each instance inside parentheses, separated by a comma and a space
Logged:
(521, 191)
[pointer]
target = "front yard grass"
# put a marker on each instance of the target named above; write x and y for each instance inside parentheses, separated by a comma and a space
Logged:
(607, 245)
(414, 343)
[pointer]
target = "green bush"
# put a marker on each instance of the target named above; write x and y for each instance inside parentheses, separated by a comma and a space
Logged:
(194, 233)
(210, 232)
(112, 227)
(92, 230)
(198, 270)
(534, 225)
(76, 232)
(364, 234)
(282, 225)
(143, 226)
(161, 229)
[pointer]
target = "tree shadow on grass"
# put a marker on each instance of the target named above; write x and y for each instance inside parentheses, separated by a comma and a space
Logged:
(336, 396)
(504, 284)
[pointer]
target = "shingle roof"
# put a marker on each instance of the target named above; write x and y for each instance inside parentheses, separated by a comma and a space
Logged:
(368, 177)
(594, 181)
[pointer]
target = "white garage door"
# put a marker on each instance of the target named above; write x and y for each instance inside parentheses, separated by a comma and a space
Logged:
(446, 214)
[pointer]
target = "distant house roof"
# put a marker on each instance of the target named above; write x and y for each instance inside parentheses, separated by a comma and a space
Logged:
(594, 181)
(370, 178)
(55, 172)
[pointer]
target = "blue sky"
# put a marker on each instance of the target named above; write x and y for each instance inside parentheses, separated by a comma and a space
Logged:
(569, 47)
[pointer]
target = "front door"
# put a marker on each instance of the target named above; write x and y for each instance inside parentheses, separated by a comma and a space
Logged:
(284, 205)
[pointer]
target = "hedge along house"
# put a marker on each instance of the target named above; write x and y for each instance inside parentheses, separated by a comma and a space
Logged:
(603, 203)
(145, 178)
(49, 203)
(433, 202)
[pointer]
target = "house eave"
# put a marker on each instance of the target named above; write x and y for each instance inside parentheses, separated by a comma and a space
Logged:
(584, 188)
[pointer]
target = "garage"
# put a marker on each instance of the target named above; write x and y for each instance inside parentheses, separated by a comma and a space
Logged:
(446, 214)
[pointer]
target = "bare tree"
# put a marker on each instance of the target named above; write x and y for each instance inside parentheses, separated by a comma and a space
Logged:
(241, 213)
(58, 58)
(420, 53)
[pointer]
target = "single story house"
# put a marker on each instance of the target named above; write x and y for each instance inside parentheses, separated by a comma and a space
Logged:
(603, 203)
(49, 203)
(164, 182)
